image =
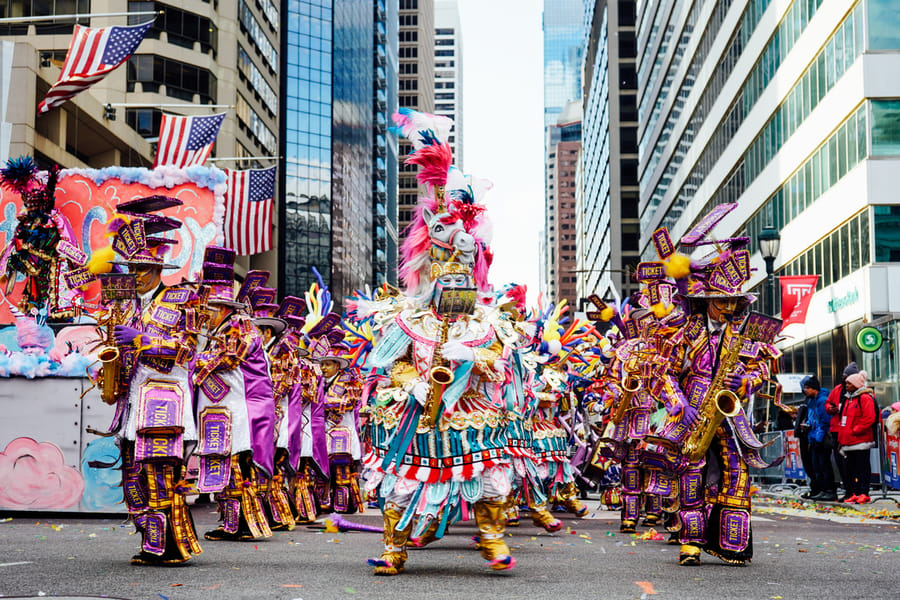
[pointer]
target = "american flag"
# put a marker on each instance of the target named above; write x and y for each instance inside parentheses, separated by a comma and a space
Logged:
(93, 53)
(248, 210)
(186, 141)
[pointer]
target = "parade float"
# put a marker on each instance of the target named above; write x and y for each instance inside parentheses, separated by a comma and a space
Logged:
(53, 234)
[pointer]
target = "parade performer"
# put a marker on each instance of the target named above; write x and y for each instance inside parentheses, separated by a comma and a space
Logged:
(235, 405)
(154, 416)
(297, 383)
(636, 381)
(275, 492)
(341, 397)
(521, 406)
(43, 246)
(724, 355)
(438, 424)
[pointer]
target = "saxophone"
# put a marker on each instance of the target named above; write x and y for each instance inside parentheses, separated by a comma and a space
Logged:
(116, 289)
(718, 403)
(440, 375)
(110, 373)
(631, 384)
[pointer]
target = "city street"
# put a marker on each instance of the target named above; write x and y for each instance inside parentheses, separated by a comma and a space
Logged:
(798, 555)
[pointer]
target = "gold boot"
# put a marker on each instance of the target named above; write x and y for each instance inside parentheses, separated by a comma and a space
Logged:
(428, 536)
(689, 555)
(491, 519)
(541, 517)
(512, 512)
(394, 556)
(569, 495)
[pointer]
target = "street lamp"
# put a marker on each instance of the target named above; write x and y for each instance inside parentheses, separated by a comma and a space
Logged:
(769, 244)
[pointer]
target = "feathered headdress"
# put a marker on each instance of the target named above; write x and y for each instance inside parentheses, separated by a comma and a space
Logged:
(452, 202)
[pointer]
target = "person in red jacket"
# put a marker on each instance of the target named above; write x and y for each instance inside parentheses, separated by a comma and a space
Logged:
(856, 436)
(833, 406)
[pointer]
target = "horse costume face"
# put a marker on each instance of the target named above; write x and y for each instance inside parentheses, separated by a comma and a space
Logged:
(449, 240)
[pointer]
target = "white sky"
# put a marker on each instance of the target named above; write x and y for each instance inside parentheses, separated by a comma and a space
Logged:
(503, 104)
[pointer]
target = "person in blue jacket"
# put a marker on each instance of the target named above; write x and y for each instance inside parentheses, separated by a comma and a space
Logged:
(819, 420)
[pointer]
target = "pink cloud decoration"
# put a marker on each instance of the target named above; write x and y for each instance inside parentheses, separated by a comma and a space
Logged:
(33, 476)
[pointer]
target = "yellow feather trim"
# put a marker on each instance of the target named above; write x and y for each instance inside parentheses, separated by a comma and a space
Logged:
(660, 310)
(678, 266)
(99, 262)
(607, 313)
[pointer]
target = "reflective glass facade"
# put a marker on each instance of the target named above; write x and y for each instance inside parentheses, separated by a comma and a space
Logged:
(563, 53)
(385, 148)
(327, 139)
(306, 142)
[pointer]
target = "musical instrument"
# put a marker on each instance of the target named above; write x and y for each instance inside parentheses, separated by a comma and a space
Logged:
(117, 289)
(450, 304)
(440, 377)
(718, 403)
(631, 384)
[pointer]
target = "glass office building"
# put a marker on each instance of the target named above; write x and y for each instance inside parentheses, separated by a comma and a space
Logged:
(789, 110)
(563, 54)
(327, 140)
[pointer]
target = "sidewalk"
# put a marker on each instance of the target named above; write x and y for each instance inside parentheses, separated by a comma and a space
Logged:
(789, 502)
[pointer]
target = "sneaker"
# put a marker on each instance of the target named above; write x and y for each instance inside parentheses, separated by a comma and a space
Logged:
(809, 495)
(825, 497)
(863, 499)
(851, 500)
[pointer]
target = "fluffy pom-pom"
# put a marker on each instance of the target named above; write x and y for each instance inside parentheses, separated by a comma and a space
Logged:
(100, 260)
(607, 313)
(678, 266)
(18, 172)
(661, 309)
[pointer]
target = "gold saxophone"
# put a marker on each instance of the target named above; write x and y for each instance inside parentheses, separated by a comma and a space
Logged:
(440, 375)
(115, 289)
(631, 384)
(718, 403)
(110, 374)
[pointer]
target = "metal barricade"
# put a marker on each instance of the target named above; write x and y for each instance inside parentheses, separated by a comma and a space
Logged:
(772, 475)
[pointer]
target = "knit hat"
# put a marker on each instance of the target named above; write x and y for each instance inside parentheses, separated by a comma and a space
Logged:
(850, 370)
(858, 380)
(812, 382)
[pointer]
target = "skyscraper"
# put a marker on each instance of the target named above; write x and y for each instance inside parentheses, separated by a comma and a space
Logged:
(416, 88)
(563, 51)
(563, 55)
(386, 159)
(608, 231)
(562, 163)
(786, 109)
(328, 103)
(448, 79)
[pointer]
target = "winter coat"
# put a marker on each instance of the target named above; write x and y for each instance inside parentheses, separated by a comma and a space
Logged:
(833, 406)
(857, 418)
(819, 419)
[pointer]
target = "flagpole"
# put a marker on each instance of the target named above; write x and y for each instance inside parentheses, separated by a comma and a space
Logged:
(77, 17)
(244, 158)
(170, 105)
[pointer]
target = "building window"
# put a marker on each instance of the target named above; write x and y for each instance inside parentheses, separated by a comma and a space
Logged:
(182, 80)
(886, 127)
(145, 121)
(409, 68)
(409, 20)
(256, 80)
(409, 84)
(409, 52)
(409, 4)
(182, 28)
(408, 36)
(256, 33)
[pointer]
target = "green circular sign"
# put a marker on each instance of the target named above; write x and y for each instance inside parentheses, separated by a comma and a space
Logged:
(869, 339)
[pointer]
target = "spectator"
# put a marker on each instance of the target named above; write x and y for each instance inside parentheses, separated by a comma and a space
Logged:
(818, 424)
(833, 407)
(801, 432)
(856, 436)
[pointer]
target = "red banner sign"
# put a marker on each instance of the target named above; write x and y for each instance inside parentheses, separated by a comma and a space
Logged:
(796, 292)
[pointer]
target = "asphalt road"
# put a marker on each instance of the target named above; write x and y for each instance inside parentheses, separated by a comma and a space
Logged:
(796, 557)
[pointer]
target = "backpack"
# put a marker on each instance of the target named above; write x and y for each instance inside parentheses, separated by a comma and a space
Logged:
(876, 426)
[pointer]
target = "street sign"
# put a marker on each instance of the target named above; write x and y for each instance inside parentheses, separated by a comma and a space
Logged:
(869, 339)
